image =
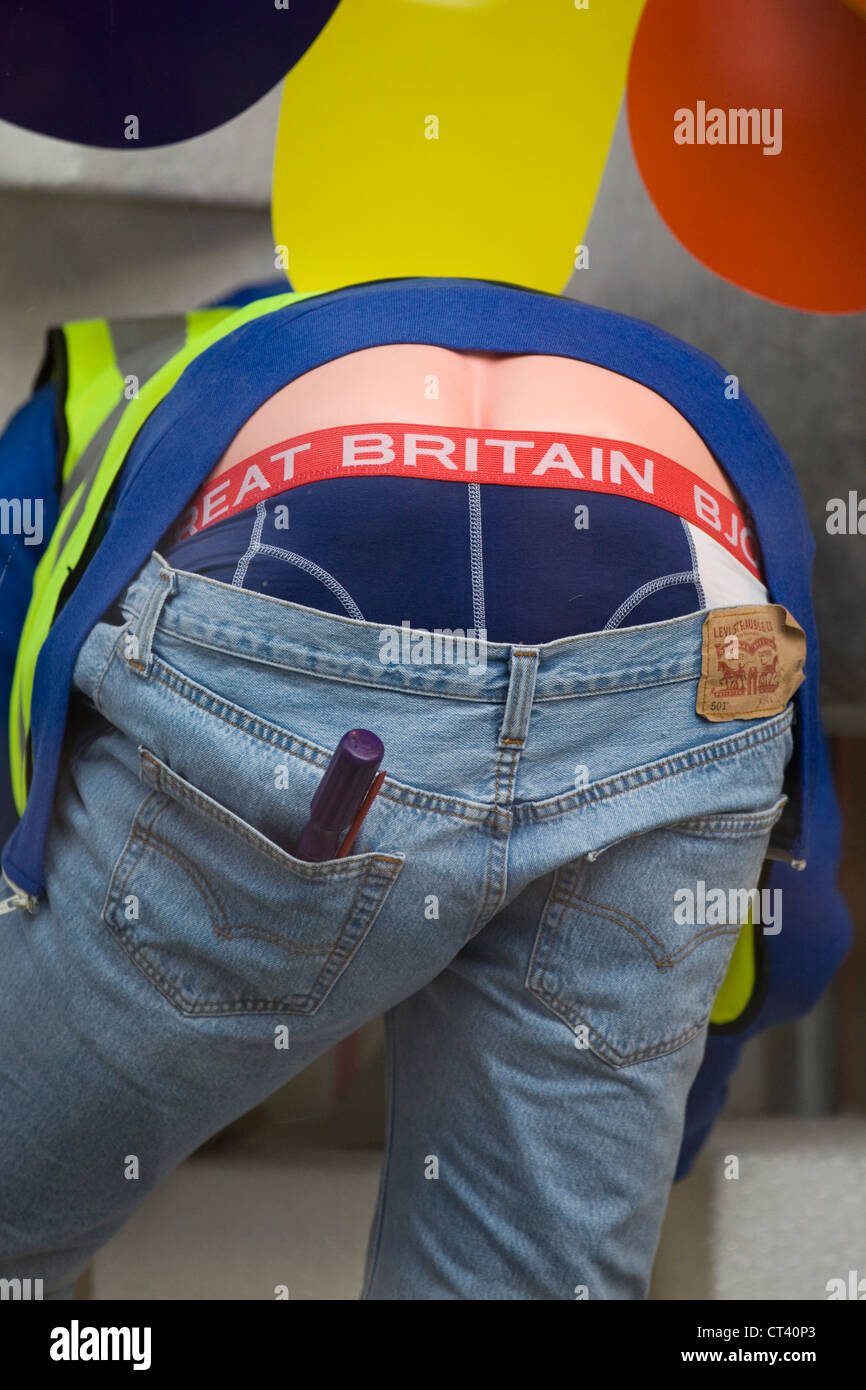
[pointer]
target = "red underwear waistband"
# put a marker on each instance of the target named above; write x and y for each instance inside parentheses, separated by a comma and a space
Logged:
(522, 458)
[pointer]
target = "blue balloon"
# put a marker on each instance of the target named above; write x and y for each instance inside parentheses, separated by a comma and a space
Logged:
(131, 74)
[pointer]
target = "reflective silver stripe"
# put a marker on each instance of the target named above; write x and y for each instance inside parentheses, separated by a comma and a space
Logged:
(88, 462)
(135, 339)
(141, 347)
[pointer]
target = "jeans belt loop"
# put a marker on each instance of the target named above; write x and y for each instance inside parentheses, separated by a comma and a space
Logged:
(518, 703)
(138, 640)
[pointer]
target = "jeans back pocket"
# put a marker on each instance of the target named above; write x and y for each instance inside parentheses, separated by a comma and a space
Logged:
(632, 948)
(221, 919)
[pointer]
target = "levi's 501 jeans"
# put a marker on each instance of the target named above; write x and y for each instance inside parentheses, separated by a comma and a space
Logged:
(510, 905)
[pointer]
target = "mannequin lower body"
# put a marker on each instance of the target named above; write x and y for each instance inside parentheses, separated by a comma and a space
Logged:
(509, 905)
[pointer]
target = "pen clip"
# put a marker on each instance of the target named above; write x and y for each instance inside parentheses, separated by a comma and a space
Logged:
(361, 813)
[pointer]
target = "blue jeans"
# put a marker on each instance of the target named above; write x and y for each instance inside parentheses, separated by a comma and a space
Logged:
(513, 906)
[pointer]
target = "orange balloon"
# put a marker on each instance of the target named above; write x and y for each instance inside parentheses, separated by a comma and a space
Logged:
(747, 122)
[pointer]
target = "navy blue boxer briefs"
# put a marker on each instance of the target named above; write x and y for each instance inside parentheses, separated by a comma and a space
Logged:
(511, 564)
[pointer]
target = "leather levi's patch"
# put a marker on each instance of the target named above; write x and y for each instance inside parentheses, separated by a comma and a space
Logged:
(751, 662)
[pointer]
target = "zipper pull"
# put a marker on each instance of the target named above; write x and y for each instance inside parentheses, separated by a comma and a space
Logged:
(23, 900)
(18, 899)
(784, 856)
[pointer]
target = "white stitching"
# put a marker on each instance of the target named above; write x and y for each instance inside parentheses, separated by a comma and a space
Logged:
(476, 556)
(256, 547)
(702, 597)
(317, 572)
(684, 577)
(240, 573)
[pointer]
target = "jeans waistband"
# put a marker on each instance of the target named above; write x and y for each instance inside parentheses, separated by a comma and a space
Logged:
(255, 627)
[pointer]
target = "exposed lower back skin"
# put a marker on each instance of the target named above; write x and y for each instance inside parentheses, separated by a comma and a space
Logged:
(427, 385)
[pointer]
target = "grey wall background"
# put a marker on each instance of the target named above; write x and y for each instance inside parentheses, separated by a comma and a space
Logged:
(93, 232)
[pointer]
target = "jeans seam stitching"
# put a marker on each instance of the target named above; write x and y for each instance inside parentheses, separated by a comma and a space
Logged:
(565, 1010)
(248, 835)
(488, 883)
(342, 678)
(754, 741)
(386, 1160)
(648, 682)
(171, 990)
(242, 725)
(108, 664)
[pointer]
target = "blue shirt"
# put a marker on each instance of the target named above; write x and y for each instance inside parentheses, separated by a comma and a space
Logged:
(28, 468)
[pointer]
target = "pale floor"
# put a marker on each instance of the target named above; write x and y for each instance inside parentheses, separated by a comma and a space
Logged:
(260, 1211)
(240, 1226)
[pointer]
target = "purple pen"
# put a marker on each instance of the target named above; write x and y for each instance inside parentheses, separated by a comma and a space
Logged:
(340, 793)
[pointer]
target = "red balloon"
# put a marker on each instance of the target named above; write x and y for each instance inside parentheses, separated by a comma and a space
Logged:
(747, 122)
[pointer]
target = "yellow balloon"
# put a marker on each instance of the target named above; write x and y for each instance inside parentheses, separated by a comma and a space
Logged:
(448, 137)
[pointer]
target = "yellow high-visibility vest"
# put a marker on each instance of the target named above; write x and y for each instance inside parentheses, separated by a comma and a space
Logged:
(110, 375)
